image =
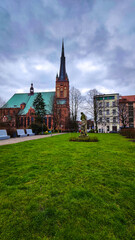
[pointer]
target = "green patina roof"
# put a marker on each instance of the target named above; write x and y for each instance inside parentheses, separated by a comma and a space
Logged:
(19, 98)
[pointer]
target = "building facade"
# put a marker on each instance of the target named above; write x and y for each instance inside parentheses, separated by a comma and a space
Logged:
(19, 110)
(107, 110)
(127, 111)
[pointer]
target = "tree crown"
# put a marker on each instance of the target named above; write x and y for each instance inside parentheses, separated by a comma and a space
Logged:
(39, 105)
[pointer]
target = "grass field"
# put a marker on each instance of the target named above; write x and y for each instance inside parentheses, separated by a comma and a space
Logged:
(53, 189)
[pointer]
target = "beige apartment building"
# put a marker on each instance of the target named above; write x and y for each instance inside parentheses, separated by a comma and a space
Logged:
(107, 108)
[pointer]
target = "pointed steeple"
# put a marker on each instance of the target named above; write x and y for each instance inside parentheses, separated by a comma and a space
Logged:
(62, 53)
(62, 73)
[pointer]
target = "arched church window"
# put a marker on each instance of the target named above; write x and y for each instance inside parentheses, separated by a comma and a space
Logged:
(49, 122)
(21, 121)
(25, 122)
(32, 119)
(61, 93)
(65, 92)
(58, 92)
(28, 121)
(46, 121)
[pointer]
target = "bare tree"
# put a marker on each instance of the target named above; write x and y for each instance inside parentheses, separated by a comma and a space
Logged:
(123, 113)
(90, 102)
(92, 105)
(75, 101)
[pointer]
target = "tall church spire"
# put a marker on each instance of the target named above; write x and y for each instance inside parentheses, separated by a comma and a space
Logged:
(62, 53)
(62, 73)
(62, 95)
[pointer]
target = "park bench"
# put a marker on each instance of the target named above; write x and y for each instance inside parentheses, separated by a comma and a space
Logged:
(29, 132)
(3, 134)
(21, 133)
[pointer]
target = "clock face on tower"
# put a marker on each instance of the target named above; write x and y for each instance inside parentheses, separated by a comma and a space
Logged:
(61, 101)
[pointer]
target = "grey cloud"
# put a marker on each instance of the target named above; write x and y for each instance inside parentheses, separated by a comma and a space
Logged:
(100, 40)
(96, 31)
(25, 27)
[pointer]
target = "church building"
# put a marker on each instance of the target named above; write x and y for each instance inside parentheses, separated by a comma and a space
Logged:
(19, 110)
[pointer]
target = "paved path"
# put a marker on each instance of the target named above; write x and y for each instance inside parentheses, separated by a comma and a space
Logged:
(23, 139)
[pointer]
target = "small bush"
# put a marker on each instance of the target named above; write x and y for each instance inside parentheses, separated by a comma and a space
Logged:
(83, 139)
(37, 128)
(4, 125)
(92, 131)
(57, 131)
(128, 132)
(12, 132)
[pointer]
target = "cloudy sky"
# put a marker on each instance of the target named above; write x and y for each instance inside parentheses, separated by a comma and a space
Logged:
(99, 38)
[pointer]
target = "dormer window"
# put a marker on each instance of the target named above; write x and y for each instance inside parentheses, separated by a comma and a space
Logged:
(22, 106)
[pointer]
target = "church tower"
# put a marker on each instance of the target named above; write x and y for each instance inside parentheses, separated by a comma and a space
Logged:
(62, 94)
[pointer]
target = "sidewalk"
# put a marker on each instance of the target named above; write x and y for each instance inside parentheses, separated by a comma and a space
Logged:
(23, 139)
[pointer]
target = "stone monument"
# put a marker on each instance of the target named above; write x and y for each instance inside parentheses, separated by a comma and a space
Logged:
(83, 125)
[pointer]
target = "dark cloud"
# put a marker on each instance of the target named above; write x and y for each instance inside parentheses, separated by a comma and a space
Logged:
(100, 40)
(99, 44)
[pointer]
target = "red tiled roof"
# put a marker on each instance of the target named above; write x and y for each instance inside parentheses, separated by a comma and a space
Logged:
(130, 98)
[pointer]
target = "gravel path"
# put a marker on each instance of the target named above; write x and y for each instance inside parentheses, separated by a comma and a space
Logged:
(23, 139)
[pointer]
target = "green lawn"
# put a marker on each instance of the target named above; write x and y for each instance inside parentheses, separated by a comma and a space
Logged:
(55, 189)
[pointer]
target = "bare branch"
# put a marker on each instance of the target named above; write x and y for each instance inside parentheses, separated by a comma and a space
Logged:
(123, 113)
(90, 102)
(75, 101)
